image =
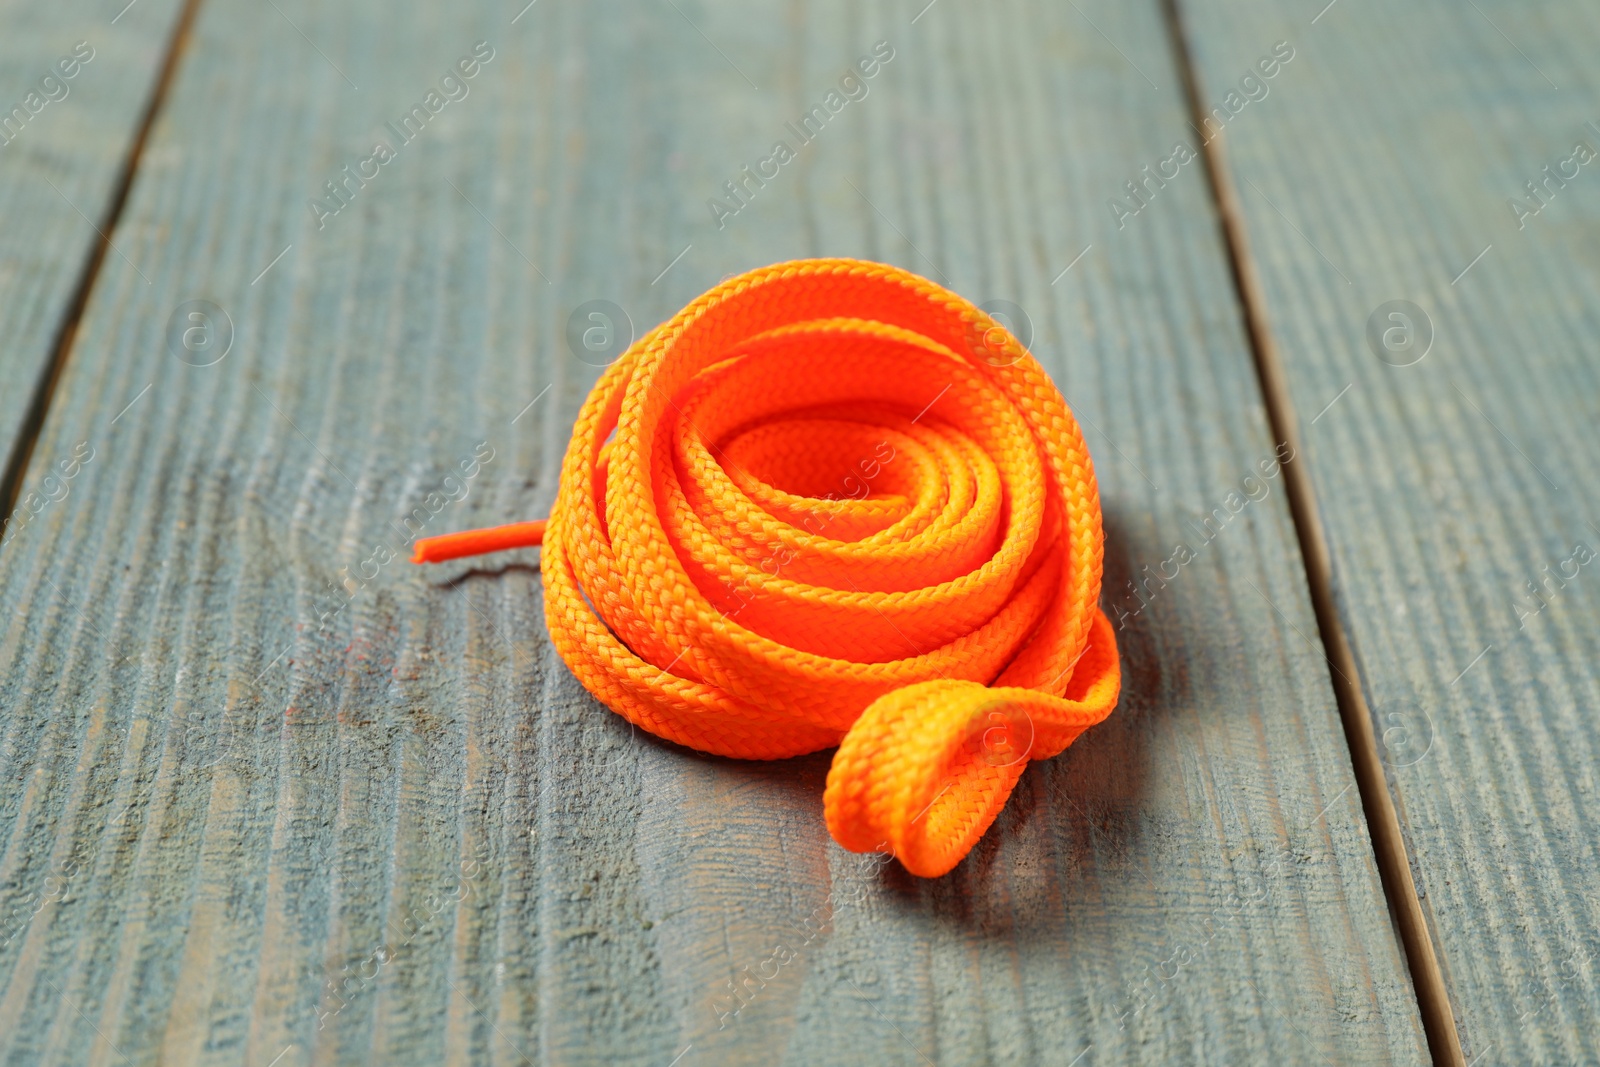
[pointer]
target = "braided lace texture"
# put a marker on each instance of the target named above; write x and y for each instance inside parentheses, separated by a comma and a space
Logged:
(832, 503)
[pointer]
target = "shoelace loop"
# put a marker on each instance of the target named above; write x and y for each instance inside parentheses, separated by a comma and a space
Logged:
(832, 503)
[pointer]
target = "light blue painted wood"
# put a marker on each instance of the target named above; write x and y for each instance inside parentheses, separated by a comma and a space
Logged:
(1390, 163)
(75, 79)
(411, 837)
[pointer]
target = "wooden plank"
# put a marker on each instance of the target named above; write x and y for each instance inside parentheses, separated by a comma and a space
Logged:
(1388, 164)
(298, 826)
(75, 79)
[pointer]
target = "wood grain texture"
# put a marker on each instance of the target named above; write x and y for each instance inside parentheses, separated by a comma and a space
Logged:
(399, 832)
(1383, 167)
(64, 141)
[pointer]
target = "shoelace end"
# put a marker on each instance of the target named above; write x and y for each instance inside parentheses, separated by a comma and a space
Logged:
(478, 542)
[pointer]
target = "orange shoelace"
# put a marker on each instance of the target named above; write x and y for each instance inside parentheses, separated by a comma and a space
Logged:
(833, 503)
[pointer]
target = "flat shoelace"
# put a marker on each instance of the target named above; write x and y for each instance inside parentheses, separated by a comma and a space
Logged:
(832, 503)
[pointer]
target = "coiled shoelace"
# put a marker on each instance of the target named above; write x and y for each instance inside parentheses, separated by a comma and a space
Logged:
(832, 503)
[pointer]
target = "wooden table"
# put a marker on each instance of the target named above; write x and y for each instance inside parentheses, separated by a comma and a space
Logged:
(273, 798)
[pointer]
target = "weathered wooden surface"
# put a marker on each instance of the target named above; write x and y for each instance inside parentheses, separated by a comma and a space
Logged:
(399, 831)
(1381, 168)
(73, 89)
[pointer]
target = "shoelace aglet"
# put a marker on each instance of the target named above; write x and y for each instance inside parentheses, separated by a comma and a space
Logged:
(478, 542)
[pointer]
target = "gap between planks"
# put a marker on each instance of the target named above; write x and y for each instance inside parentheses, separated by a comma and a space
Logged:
(1377, 803)
(16, 465)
